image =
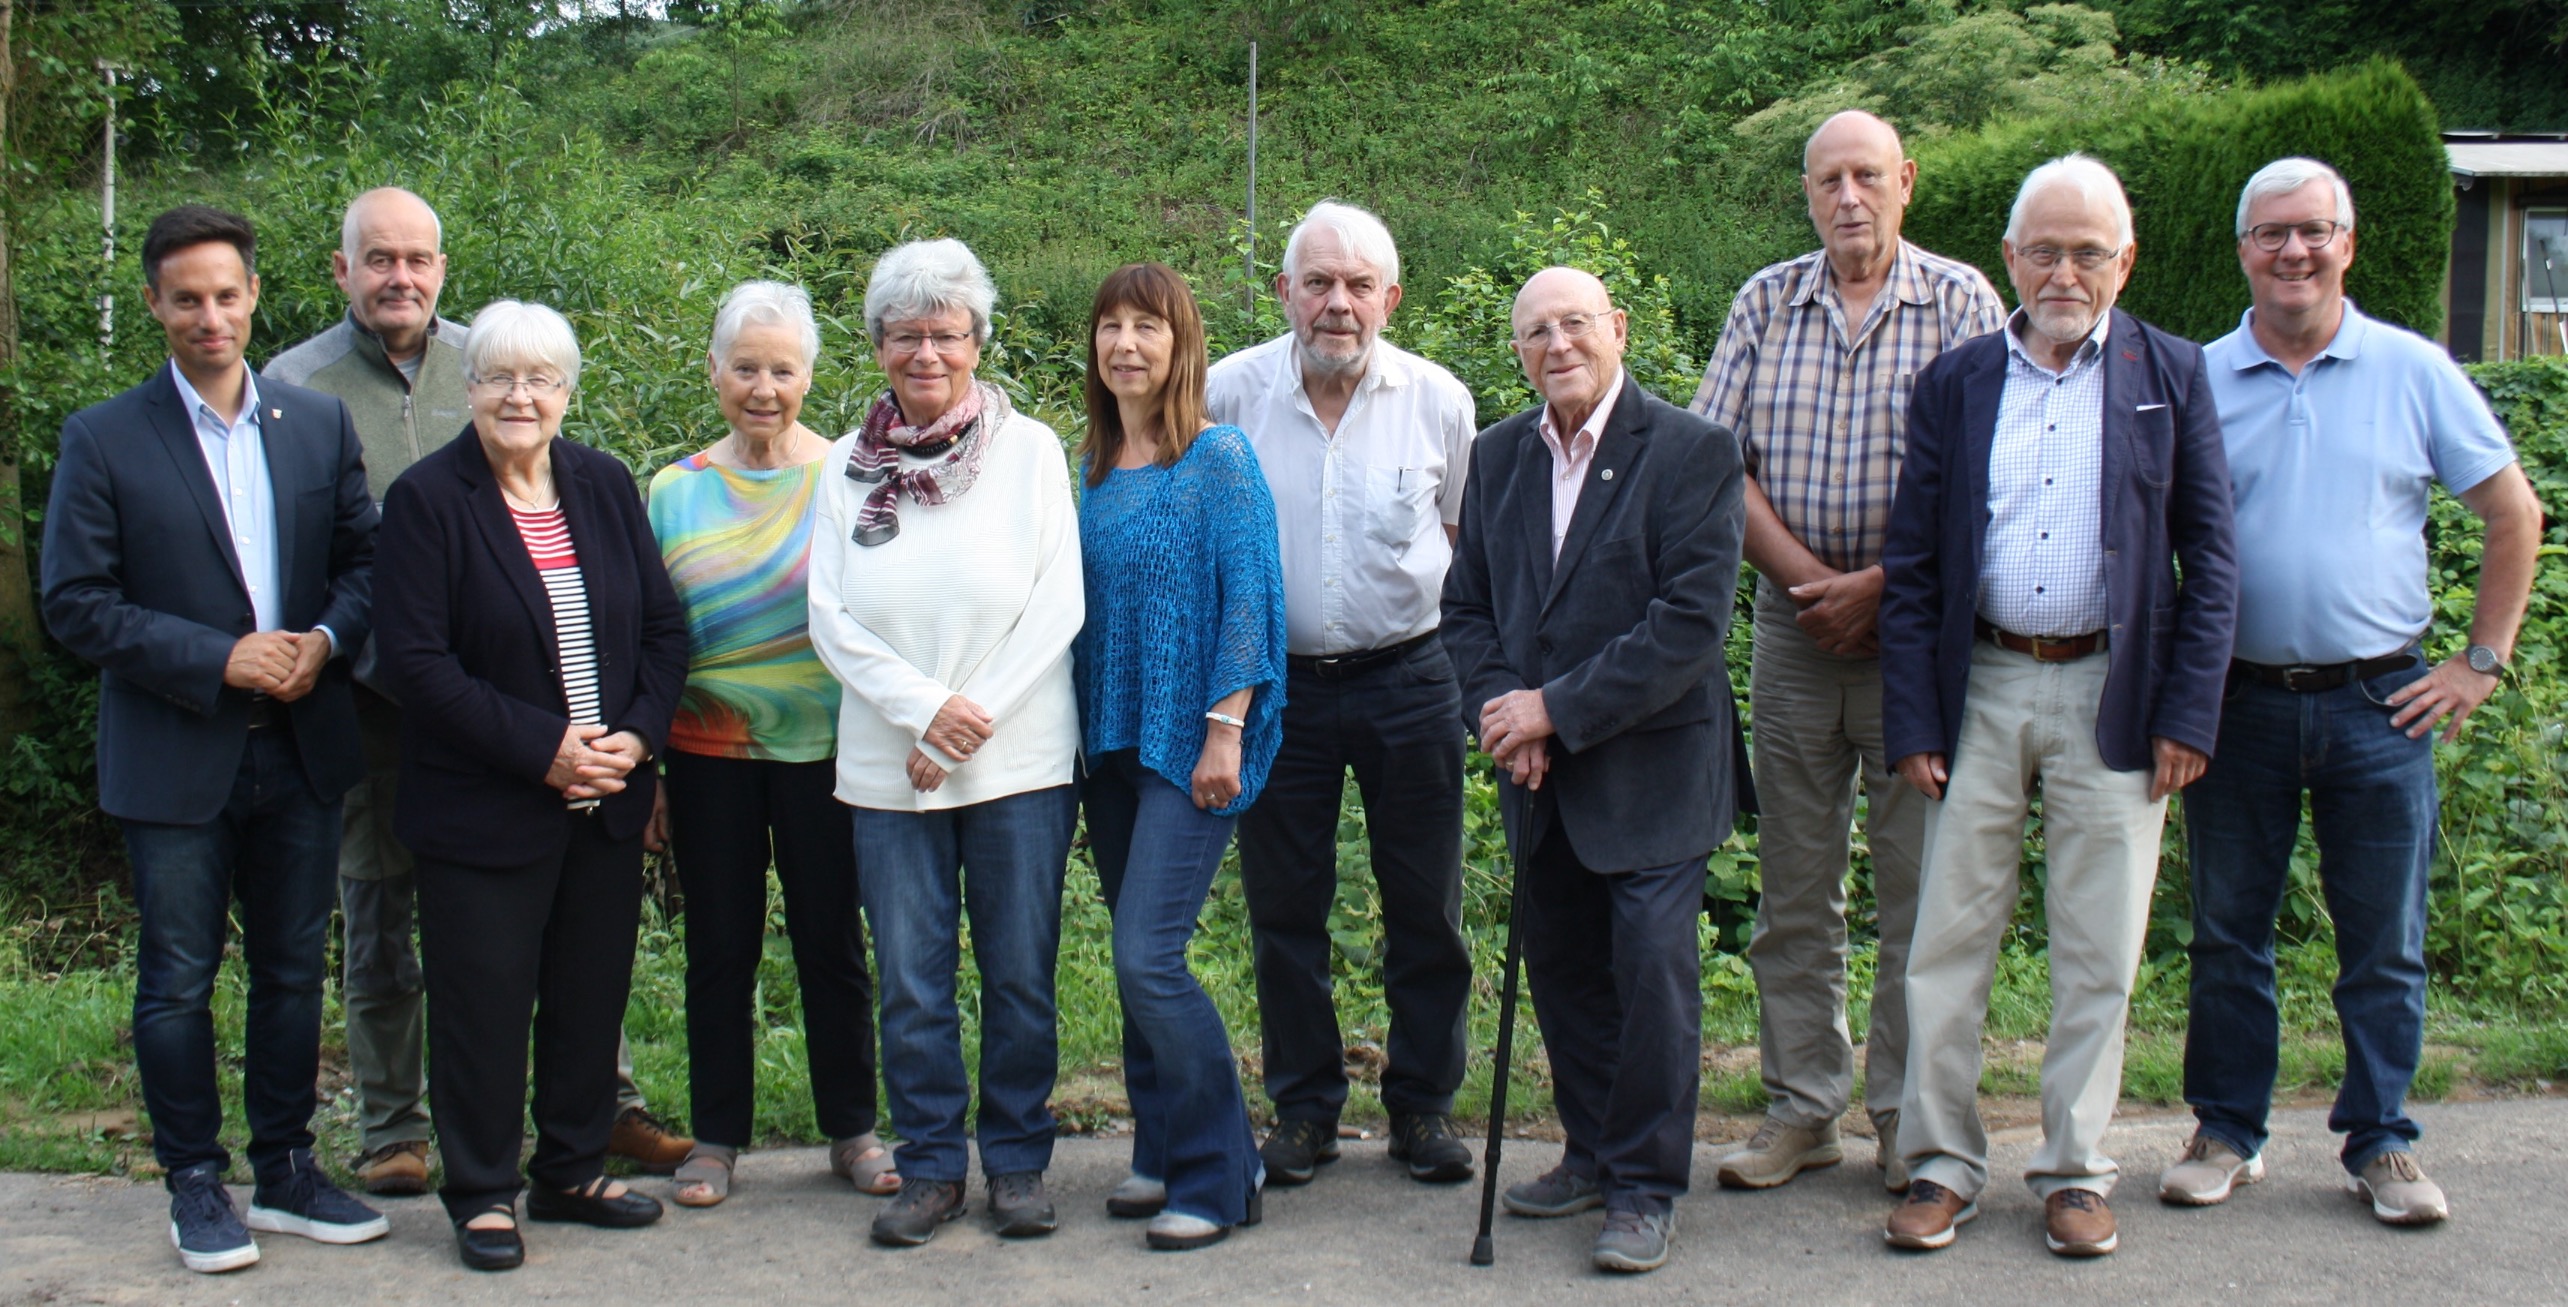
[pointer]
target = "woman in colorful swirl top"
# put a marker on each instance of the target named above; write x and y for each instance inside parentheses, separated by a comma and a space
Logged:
(751, 766)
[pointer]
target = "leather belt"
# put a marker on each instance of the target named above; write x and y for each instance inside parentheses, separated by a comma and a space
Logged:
(1339, 667)
(2044, 648)
(2310, 678)
(265, 712)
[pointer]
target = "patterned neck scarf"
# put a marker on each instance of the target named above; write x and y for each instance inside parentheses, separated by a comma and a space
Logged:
(956, 441)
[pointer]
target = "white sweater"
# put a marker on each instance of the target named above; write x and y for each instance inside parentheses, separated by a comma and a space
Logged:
(979, 596)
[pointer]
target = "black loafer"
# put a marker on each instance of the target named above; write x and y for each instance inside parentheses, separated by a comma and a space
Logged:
(490, 1250)
(623, 1212)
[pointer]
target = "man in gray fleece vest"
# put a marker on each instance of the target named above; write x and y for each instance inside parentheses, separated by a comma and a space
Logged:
(400, 370)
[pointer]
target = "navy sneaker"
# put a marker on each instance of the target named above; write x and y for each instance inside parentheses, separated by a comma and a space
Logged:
(209, 1236)
(298, 1199)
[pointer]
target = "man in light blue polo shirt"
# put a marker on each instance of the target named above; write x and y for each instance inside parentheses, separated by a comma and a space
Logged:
(2337, 427)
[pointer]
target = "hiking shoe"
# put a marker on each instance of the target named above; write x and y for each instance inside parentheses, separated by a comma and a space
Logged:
(2398, 1190)
(1294, 1150)
(295, 1198)
(1556, 1192)
(394, 1170)
(1176, 1232)
(1778, 1151)
(1138, 1198)
(1426, 1141)
(2076, 1223)
(1632, 1242)
(641, 1139)
(209, 1236)
(2207, 1172)
(1927, 1220)
(1024, 1211)
(914, 1215)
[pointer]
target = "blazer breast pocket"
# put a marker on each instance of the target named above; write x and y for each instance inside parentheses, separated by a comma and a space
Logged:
(2152, 445)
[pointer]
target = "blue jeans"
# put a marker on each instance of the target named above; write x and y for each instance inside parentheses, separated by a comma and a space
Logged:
(275, 848)
(2372, 809)
(1010, 854)
(1156, 856)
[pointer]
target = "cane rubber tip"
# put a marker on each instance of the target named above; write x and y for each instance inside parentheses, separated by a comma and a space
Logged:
(1483, 1252)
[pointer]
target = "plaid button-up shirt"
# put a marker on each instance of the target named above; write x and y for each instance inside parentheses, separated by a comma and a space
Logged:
(1821, 409)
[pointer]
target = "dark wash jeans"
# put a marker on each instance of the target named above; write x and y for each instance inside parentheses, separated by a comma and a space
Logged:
(274, 848)
(1002, 860)
(1156, 857)
(1398, 727)
(2372, 809)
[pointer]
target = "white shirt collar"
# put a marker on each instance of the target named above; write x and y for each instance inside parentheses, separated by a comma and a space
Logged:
(195, 403)
(1594, 427)
(2093, 346)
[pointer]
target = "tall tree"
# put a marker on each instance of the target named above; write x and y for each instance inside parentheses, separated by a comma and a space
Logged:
(17, 587)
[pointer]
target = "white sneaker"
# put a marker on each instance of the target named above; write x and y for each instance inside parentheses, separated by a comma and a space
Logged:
(2207, 1172)
(2398, 1191)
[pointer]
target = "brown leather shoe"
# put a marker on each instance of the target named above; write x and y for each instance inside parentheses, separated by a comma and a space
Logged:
(639, 1138)
(1927, 1219)
(400, 1168)
(2076, 1223)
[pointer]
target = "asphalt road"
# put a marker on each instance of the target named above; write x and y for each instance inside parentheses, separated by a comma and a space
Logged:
(1365, 1234)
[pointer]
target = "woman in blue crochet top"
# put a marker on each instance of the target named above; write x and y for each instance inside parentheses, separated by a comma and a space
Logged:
(1180, 673)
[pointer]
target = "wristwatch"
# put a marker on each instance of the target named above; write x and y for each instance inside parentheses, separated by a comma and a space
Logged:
(2485, 661)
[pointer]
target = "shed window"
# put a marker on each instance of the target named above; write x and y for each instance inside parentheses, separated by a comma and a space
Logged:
(2545, 261)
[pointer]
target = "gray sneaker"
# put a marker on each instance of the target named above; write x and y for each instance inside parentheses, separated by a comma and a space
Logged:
(1779, 1151)
(1556, 1192)
(2207, 1172)
(2398, 1191)
(1632, 1242)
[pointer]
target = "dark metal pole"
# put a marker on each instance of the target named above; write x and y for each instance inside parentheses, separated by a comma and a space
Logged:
(1483, 1250)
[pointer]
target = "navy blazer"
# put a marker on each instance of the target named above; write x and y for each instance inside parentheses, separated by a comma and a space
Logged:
(1624, 635)
(2166, 502)
(140, 579)
(464, 637)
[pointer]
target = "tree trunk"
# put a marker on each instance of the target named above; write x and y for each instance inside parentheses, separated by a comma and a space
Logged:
(17, 590)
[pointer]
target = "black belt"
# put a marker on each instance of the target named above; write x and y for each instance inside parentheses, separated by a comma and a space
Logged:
(1339, 667)
(2310, 678)
(265, 712)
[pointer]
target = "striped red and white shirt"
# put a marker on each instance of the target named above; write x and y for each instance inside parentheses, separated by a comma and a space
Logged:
(557, 563)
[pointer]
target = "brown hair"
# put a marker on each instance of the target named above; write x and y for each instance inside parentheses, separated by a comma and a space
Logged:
(1155, 289)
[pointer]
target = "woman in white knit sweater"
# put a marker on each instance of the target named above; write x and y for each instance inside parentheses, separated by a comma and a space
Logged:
(945, 590)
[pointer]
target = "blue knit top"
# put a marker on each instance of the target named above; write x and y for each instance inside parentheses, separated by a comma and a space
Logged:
(1185, 606)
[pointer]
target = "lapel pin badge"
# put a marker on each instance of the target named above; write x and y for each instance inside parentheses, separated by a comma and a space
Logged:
(1606, 475)
(277, 413)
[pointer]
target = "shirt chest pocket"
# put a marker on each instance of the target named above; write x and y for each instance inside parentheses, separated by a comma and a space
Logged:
(1397, 503)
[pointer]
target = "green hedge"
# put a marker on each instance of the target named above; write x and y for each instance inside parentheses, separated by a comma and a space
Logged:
(2183, 162)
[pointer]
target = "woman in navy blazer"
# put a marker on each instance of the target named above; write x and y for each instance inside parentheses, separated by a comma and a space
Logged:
(529, 629)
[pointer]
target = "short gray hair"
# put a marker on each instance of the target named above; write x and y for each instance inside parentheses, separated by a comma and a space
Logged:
(512, 333)
(1358, 233)
(348, 235)
(924, 277)
(765, 304)
(2284, 176)
(2083, 173)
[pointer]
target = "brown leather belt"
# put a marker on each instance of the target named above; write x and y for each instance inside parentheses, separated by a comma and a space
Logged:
(2045, 648)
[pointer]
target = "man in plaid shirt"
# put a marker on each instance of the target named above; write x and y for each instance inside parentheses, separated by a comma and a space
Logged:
(1813, 371)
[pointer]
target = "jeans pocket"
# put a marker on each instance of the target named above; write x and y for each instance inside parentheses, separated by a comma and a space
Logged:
(2377, 690)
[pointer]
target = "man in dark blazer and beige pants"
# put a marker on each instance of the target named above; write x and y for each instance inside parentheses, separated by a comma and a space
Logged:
(208, 547)
(1585, 612)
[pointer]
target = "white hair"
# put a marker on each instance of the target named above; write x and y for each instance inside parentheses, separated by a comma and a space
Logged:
(2084, 174)
(1358, 233)
(350, 235)
(2284, 176)
(928, 277)
(765, 304)
(513, 334)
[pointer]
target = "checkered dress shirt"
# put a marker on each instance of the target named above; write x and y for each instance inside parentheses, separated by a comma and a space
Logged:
(2042, 569)
(1822, 411)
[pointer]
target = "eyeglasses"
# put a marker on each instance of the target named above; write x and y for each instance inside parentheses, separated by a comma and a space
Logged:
(502, 386)
(2049, 256)
(2315, 234)
(1570, 327)
(946, 343)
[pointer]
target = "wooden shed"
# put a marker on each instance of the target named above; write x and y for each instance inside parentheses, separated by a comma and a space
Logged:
(2506, 295)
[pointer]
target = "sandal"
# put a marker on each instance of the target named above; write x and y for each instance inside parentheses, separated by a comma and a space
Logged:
(864, 1161)
(704, 1179)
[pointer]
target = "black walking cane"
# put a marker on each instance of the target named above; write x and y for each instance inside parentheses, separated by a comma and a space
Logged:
(1483, 1251)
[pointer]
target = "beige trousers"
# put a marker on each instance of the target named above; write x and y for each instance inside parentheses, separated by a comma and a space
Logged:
(1817, 719)
(2027, 727)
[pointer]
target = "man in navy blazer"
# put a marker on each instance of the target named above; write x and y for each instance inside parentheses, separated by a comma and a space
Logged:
(208, 546)
(1585, 612)
(2035, 637)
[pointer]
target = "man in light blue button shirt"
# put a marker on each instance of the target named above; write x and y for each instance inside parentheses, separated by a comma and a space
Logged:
(2337, 428)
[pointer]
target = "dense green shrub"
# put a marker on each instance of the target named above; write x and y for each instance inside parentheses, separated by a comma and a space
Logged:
(2183, 162)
